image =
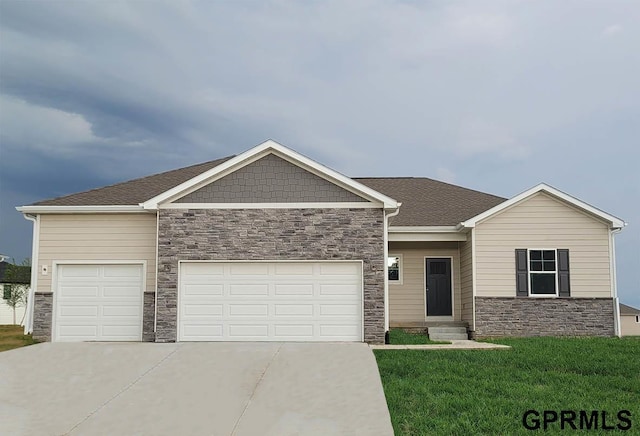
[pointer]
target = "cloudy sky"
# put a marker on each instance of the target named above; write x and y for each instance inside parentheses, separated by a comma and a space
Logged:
(492, 95)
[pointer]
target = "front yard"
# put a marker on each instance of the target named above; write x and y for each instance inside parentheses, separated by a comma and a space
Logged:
(11, 336)
(489, 391)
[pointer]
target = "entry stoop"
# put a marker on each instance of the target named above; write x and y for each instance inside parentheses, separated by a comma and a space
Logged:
(447, 333)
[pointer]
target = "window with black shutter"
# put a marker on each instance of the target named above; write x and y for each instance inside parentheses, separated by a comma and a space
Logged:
(542, 272)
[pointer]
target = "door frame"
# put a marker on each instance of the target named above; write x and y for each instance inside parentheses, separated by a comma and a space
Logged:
(424, 289)
(54, 286)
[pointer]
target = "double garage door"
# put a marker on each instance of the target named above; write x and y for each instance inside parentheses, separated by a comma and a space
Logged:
(270, 301)
(217, 301)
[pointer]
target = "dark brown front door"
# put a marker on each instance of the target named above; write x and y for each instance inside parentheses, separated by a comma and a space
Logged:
(438, 290)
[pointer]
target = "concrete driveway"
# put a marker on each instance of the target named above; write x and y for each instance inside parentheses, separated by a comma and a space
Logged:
(192, 389)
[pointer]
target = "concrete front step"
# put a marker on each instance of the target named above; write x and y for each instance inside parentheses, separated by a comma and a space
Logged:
(447, 333)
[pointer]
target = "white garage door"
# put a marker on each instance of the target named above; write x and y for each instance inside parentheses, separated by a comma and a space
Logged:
(270, 301)
(98, 303)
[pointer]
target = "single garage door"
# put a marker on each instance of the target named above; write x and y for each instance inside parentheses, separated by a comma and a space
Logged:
(98, 303)
(270, 301)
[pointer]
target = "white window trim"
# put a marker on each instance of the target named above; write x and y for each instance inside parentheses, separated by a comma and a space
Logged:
(529, 272)
(400, 268)
(638, 319)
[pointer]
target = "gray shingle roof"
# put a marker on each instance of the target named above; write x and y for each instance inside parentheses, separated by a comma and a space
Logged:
(428, 202)
(628, 310)
(135, 191)
(425, 202)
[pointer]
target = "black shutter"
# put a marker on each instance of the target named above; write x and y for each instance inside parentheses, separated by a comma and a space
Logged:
(522, 273)
(564, 286)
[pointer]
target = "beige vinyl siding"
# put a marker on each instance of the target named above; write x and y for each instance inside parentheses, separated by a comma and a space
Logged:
(466, 280)
(629, 326)
(542, 221)
(97, 237)
(407, 300)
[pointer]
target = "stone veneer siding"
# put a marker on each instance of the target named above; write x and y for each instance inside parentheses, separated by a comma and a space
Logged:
(148, 316)
(525, 316)
(42, 314)
(271, 234)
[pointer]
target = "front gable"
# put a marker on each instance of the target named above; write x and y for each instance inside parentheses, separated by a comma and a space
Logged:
(270, 175)
(270, 179)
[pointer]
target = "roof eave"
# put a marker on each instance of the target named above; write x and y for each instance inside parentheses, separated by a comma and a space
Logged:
(81, 209)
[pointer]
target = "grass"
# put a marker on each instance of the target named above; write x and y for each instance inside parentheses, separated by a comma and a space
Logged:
(478, 392)
(11, 336)
(401, 337)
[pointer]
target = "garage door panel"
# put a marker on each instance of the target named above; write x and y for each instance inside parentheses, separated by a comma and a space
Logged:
(286, 310)
(115, 291)
(339, 309)
(282, 301)
(122, 311)
(293, 289)
(99, 303)
(78, 291)
(195, 269)
(237, 309)
(293, 269)
(334, 290)
(340, 269)
(203, 309)
(79, 271)
(78, 310)
(259, 331)
(293, 330)
(205, 332)
(203, 289)
(248, 289)
(248, 269)
(121, 271)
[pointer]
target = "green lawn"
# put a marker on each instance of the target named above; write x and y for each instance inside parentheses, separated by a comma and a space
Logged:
(400, 337)
(472, 392)
(11, 337)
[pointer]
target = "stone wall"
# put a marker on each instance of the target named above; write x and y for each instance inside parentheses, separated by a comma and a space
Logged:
(42, 313)
(148, 316)
(524, 316)
(271, 234)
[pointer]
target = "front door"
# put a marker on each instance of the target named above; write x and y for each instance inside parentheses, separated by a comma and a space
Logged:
(438, 273)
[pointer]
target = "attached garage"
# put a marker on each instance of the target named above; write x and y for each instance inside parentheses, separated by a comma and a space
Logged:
(270, 301)
(98, 302)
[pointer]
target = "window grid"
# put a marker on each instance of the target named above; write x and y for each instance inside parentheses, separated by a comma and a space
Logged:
(543, 272)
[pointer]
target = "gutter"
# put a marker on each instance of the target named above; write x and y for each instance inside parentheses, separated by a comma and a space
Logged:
(80, 209)
(35, 245)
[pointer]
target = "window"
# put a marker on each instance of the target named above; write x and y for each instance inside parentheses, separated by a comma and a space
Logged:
(638, 319)
(542, 272)
(394, 268)
(6, 292)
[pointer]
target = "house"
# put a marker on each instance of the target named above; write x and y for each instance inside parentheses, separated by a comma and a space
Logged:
(271, 245)
(629, 320)
(11, 277)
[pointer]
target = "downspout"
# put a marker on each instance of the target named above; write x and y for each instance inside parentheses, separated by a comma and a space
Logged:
(614, 282)
(386, 266)
(35, 243)
(155, 305)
